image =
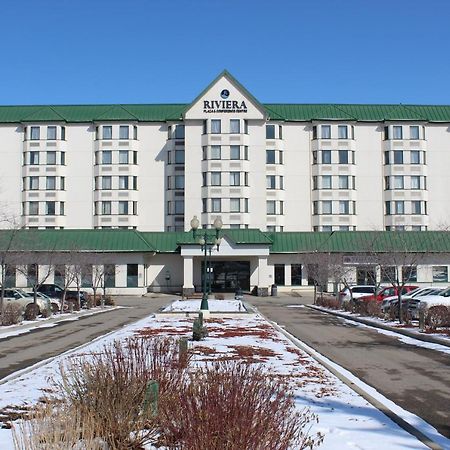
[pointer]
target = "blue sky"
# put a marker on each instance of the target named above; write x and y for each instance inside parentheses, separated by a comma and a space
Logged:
(286, 51)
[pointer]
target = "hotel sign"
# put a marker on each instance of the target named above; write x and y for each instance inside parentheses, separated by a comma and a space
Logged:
(225, 105)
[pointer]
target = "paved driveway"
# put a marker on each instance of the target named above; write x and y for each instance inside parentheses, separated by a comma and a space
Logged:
(415, 378)
(24, 350)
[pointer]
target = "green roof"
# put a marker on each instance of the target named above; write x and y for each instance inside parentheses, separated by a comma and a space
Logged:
(169, 112)
(281, 242)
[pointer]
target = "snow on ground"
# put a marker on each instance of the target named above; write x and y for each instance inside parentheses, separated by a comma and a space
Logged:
(347, 420)
(27, 325)
(213, 306)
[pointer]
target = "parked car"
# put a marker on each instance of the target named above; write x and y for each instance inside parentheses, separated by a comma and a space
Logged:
(412, 298)
(53, 290)
(388, 291)
(442, 298)
(356, 292)
(24, 299)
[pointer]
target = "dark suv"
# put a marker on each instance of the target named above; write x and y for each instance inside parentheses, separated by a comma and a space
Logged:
(53, 290)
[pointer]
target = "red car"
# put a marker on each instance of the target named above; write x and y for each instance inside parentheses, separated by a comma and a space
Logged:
(388, 291)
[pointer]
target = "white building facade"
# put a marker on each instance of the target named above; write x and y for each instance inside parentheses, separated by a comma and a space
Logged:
(271, 167)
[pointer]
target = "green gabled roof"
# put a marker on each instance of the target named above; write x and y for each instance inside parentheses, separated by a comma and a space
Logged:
(168, 112)
(74, 240)
(170, 241)
(361, 242)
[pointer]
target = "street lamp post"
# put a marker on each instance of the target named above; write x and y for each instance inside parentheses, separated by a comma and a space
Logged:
(207, 241)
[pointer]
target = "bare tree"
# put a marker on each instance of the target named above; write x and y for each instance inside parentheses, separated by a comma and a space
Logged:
(318, 270)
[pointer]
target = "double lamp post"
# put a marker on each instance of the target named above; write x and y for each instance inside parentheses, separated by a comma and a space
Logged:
(207, 241)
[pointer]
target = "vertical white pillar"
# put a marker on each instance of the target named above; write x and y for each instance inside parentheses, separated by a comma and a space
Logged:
(287, 275)
(263, 272)
(188, 272)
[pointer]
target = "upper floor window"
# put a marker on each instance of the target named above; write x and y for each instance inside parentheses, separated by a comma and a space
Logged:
(398, 156)
(415, 157)
(216, 126)
(35, 133)
(235, 179)
(123, 157)
(106, 182)
(51, 158)
(179, 131)
(343, 156)
(342, 132)
(326, 156)
(270, 156)
(51, 183)
(123, 207)
(51, 133)
(106, 157)
(414, 132)
(124, 132)
(235, 126)
(326, 132)
(235, 152)
(397, 132)
(215, 152)
(179, 156)
(326, 182)
(50, 208)
(107, 132)
(270, 131)
(34, 158)
(216, 178)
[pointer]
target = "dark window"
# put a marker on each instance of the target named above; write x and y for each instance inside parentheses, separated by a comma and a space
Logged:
(296, 275)
(409, 274)
(110, 275)
(270, 131)
(86, 276)
(32, 275)
(132, 275)
(279, 274)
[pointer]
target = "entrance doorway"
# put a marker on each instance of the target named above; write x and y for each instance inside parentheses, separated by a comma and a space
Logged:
(227, 276)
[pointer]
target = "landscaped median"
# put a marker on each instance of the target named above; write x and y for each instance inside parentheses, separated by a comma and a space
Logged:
(245, 386)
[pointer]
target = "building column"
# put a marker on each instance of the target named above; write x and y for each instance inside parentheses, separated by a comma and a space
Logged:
(188, 275)
(287, 275)
(263, 277)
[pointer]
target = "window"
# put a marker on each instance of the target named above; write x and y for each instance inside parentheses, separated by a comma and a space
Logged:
(235, 126)
(179, 156)
(51, 133)
(327, 207)
(281, 182)
(343, 182)
(398, 156)
(270, 131)
(33, 208)
(270, 181)
(205, 126)
(109, 274)
(399, 207)
(388, 208)
(135, 157)
(399, 182)
(179, 132)
(106, 208)
(270, 156)
(51, 158)
(135, 132)
(123, 182)
(344, 207)
(440, 274)
(327, 228)
(132, 275)
(63, 158)
(245, 126)
(106, 183)
(314, 157)
(34, 183)
(216, 127)
(61, 208)
(415, 157)
(235, 204)
(179, 181)
(387, 183)
(416, 207)
(51, 183)
(124, 132)
(204, 205)
(279, 274)
(342, 132)
(343, 156)
(235, 179)
(216, 178)
(409, 273)
(315, 184)
(296, 274)
(326, 156)
(397, 132)
(386, 157)
(123, 157)
(415, 182)
(216, 205)
(326, 131)
(344, 228)
(179, 207)
(50, 208)
(32, 274)
(271, 207)
(35, 133)
(414, 132)
(106, 157)
(34, 158)
(326, 181)
(107, 132)
(215, 152)
(315, 208)
(235, 152)
(123, 207)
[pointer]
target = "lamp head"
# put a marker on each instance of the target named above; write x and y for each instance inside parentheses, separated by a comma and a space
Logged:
(195, 223)
(218, 223)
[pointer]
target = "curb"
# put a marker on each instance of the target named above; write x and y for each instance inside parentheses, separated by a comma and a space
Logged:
(370, 323)
(338, 370)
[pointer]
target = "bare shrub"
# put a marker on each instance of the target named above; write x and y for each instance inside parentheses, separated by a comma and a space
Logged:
(235, 406)
(374, 308)
(110, 388)
(31, 311)
(12, 314)
(56, 428)
(437, 316)
(361, 307)
(72, 304)
(47, 312)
